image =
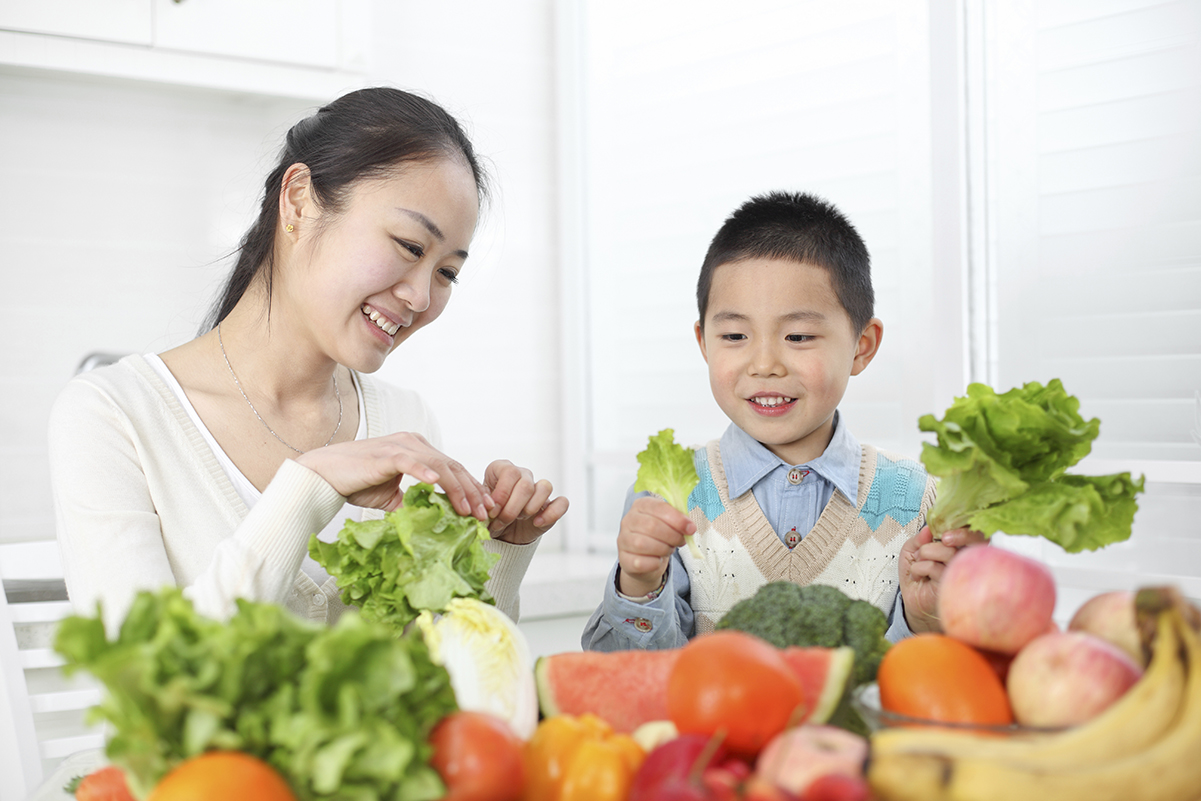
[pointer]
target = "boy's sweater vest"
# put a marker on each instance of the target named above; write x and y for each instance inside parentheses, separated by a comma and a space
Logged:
(855, 548)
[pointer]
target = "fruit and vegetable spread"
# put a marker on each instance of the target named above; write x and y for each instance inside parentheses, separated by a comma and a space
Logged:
(430, 692)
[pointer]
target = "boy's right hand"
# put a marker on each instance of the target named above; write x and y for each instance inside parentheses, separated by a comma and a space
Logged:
(650, 533)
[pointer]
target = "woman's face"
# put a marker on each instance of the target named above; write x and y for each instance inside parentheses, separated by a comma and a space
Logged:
(366, 279)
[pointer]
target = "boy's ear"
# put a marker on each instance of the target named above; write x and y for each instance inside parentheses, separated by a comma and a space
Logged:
(700, 339)
(868, 345)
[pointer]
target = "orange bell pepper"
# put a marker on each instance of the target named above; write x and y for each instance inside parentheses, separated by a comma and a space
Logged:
(579, 758)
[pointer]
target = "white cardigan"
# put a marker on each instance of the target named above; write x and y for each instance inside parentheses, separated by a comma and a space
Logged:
(141, 502)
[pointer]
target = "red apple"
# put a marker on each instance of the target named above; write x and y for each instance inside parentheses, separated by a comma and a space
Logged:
(995, 599)
(1066, 678)
(795, 757)
(838, 787)
(1110, 616)
(679, 763)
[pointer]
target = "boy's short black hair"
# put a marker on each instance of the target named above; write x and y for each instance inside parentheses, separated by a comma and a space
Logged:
(800, 227)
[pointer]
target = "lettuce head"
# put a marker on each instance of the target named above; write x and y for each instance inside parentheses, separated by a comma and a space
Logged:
(1002, 461)
(414, 559)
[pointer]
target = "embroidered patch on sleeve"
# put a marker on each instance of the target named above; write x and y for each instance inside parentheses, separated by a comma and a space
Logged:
(896, 492)
(704, 494)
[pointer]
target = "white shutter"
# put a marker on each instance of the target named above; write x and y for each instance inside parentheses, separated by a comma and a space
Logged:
(1094, 131)
(1098, 190)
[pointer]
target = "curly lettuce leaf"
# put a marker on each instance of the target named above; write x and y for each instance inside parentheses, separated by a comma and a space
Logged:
(341, 712)
(668, 470)
(1001, 460)
(416, 558)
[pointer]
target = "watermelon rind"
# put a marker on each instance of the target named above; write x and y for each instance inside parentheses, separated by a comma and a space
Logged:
(546, 697)
(839, 664)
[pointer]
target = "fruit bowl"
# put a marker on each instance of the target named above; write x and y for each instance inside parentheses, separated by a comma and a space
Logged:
(866, 701)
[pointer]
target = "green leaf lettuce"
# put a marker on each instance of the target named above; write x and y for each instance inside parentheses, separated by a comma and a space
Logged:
(668, 470)
(416, 558)
(1001, 460)
(341, 712)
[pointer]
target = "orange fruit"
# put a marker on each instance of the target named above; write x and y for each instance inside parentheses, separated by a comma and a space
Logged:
(224, 775)
(936, 677)
(732, 682)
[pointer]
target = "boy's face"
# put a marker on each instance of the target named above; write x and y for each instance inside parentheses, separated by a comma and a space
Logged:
(780, 349)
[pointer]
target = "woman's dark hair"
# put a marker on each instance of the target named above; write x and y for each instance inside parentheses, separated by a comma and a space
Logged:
(805, 229)
(361, 135)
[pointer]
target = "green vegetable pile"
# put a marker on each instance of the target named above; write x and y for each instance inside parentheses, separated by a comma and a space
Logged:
(416, 558)
(668, 470)
(341, 712)
(784, 614)
(1001, 460)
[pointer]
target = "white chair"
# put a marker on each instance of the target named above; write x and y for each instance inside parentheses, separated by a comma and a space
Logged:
(41, 711)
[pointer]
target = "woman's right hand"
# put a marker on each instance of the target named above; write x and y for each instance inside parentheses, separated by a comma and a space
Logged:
(650, 533)
(368, 472)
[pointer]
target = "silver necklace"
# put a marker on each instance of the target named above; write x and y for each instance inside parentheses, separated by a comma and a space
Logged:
(256, 411)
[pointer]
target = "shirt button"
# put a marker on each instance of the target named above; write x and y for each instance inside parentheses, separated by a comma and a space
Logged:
(319, 599)
(796, 476)
(642, 624)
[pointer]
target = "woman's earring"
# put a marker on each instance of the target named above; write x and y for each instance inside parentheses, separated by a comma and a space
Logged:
(289, 228)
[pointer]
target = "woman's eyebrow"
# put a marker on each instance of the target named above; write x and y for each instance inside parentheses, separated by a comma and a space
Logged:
(426, 221)
(431, 226)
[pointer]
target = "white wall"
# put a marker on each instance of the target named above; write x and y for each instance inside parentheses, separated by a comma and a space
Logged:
(119, 200)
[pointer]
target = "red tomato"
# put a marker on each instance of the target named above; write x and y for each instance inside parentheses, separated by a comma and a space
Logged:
(735, 683)
(479, 757)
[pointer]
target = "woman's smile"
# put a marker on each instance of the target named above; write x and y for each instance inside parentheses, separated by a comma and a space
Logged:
(380, 320)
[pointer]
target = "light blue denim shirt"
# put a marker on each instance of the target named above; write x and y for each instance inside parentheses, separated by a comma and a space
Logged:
(667, 621)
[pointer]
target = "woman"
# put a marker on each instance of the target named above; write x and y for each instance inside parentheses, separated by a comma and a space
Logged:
(210, 465)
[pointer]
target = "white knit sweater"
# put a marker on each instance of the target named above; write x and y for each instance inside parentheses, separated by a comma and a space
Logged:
(142, 502)
(854, 547)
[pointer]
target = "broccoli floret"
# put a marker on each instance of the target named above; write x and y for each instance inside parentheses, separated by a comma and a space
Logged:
(784, 613)
(864, 625)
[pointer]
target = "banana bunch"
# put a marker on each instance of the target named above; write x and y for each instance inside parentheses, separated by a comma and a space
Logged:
(1144, 747)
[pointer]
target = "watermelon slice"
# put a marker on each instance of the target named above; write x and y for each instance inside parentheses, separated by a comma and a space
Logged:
(629, 688)
(824, 673)
(625, 688)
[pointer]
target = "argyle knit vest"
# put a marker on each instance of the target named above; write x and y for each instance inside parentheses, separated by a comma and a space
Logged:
(853, 547)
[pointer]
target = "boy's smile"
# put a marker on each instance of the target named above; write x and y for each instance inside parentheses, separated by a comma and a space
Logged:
(780, 349)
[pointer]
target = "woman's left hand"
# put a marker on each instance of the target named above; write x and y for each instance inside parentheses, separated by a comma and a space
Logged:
(524, 509)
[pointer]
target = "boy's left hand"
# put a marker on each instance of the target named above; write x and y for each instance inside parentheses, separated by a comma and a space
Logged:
(524, 508)
(922, 563)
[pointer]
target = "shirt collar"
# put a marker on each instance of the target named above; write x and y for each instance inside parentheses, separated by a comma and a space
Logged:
(746, 461)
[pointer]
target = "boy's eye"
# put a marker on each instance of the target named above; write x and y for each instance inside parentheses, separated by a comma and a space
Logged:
(449, 274)
(733, 337)
(798, 337)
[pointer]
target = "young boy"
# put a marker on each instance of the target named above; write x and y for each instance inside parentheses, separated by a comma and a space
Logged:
(786, 318)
